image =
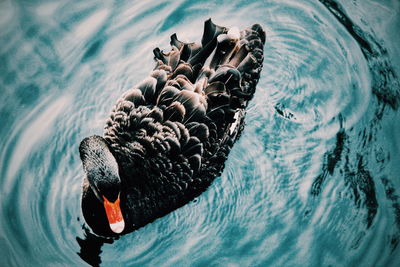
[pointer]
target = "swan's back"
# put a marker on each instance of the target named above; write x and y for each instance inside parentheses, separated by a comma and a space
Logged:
(172, 133)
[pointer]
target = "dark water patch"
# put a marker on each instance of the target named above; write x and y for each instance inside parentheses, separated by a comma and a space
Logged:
(32, 31)
(357, 241)
(357, 178)
(93, 50)
(331, 160)
(391, 195)
(361, 182)
(28, 94)
(394, 242)
(177, 16)
(385, 83)
(353, 29)
(284, 112)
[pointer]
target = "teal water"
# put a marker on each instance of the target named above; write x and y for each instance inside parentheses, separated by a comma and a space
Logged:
(313, 181)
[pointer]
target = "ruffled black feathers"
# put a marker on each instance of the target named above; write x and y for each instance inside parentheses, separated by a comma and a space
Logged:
(172, 133)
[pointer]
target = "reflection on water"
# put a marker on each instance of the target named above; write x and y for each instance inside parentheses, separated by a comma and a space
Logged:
(312, 181)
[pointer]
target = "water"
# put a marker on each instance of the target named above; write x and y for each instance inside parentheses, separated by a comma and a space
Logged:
(313, 181)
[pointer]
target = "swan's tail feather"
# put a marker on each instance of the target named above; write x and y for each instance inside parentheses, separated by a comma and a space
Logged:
(226, 55)
(207, 80)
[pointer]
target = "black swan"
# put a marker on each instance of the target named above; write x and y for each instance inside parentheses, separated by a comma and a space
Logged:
(168, 137)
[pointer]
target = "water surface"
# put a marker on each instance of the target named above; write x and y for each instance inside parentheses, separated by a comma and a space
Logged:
(313, 181)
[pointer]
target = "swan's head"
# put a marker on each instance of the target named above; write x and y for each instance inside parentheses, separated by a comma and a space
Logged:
(102, 175)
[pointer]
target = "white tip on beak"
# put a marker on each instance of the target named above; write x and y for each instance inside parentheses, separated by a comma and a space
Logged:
(117, 227)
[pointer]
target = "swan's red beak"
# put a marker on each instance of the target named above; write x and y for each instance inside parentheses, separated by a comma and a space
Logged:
(114, 215)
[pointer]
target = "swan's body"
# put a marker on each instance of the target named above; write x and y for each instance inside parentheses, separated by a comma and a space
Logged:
(168, 137)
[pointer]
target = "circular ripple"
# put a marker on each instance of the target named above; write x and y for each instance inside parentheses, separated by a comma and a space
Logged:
(64, 66)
